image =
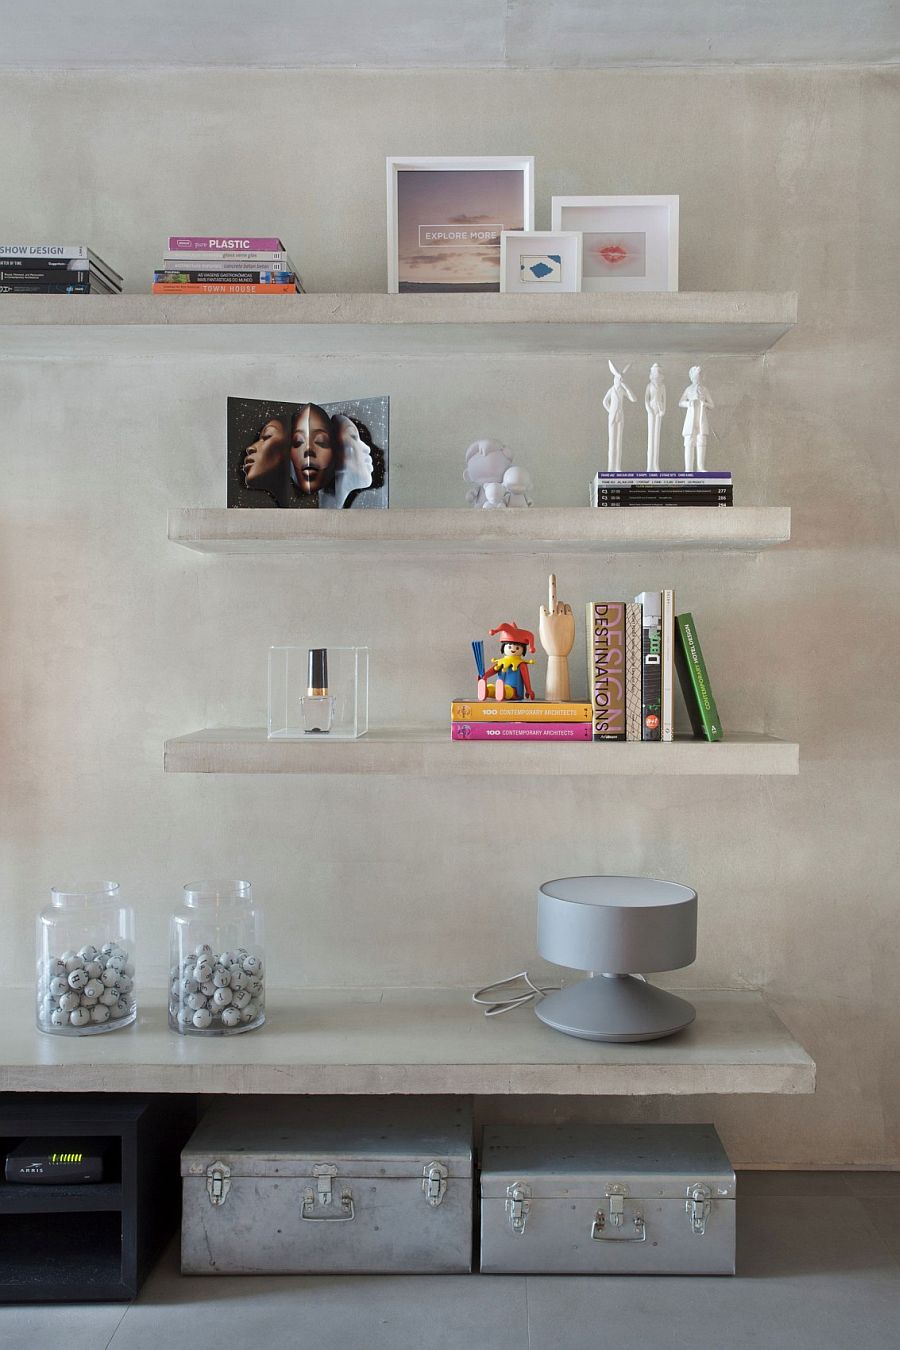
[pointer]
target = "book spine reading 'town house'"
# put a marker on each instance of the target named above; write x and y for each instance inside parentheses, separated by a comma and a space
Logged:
(606, 669)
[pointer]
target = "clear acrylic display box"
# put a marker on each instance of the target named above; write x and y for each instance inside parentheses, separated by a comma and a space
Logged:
(309, 700)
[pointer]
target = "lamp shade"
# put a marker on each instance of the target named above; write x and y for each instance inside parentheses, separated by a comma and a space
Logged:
(617, 924)
(617, 928)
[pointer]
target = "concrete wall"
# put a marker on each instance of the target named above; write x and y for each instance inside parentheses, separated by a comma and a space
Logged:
(115, 640)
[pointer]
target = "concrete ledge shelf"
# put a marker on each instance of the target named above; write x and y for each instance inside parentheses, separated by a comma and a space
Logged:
(428, 326)
(362, 1041)
(453, 531)
(429, 752)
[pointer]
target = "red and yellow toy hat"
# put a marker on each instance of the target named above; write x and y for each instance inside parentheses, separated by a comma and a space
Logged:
(510, 632)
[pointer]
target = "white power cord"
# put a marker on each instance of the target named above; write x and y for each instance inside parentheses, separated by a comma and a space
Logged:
(532, 994)
(493, 1006)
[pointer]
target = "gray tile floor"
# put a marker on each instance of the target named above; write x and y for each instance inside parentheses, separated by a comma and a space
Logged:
(818, 1262)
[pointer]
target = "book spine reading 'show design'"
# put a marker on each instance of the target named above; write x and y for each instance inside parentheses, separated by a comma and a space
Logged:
(517, 710)
(61, 276)
(226, 278)
(521, 731)
(234, 288)
(668, 665)
(184, 262)
(651, 664)
(606, 669)
(694, 679)
(207, 243)
(44, 251)
(633, 672)
(45, 289)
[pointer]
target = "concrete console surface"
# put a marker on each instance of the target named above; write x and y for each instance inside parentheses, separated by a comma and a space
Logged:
(368, 1041)
(818, 1258)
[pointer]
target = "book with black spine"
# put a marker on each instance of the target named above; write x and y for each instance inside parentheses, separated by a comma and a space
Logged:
(24, 289)
(651, 664)
(64, 276)
(45, 264)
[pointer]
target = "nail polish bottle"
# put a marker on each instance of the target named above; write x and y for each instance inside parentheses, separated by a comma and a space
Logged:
(317, 706)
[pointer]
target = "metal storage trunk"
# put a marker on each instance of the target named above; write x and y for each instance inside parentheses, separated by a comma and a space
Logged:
(328, 1185)
(606, 1199)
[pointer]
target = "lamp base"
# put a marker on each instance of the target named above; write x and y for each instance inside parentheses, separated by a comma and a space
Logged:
(615, 1008)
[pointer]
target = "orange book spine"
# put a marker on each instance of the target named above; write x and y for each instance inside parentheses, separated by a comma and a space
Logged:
(225, 288)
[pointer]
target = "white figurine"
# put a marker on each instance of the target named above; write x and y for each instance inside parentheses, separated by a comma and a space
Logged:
(517, 483)
(695, 431)
(494, 497)
(614, 403)
(486, 462)
(655, 403)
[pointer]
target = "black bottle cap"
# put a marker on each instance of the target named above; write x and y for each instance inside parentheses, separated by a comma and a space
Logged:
(318, 669)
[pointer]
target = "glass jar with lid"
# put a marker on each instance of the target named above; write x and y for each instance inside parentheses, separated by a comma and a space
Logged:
(85, 961)
(217, 977)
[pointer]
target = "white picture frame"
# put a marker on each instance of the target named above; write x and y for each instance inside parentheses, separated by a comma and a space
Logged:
(549, 249)
(455, 253)
(630, 243)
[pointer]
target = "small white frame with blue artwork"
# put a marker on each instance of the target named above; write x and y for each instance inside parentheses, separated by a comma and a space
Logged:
(540, 262)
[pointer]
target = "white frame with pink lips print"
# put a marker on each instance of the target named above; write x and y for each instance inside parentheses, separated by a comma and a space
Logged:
(646, 225)
(396, 165)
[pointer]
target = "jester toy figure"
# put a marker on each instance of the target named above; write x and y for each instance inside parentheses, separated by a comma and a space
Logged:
(510, 669)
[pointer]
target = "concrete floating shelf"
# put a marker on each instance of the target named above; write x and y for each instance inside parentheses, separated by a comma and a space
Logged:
(402, 1041)
(430, 753)
(372, 324)
(408, 532)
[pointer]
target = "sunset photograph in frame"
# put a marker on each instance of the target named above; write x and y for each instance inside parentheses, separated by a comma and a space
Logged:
(446, 216)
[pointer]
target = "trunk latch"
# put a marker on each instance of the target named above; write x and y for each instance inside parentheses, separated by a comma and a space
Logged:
(218, 1182)
(518, 1204)
(434, 1182)
(698, 1205)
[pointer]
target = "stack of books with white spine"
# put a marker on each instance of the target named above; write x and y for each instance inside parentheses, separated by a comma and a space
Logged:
(55, 269)
(708, 487)
(226, 265)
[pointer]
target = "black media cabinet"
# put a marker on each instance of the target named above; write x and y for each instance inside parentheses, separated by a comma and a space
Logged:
(68, 1244)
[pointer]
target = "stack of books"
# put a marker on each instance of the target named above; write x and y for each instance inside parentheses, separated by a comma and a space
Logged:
(212, 265)
(55, 269)
(711, 487)
(518, 720)
(634, 652)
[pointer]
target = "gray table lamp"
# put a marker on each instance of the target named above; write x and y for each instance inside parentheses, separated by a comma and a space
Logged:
(612, 927)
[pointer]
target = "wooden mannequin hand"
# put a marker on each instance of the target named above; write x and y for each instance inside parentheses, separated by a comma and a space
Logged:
(557, 629)
(557, 634)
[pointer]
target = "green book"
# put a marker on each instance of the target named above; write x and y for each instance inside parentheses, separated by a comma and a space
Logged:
(694, 678)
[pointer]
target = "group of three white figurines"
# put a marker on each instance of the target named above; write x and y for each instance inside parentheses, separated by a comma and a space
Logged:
(695, 431)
